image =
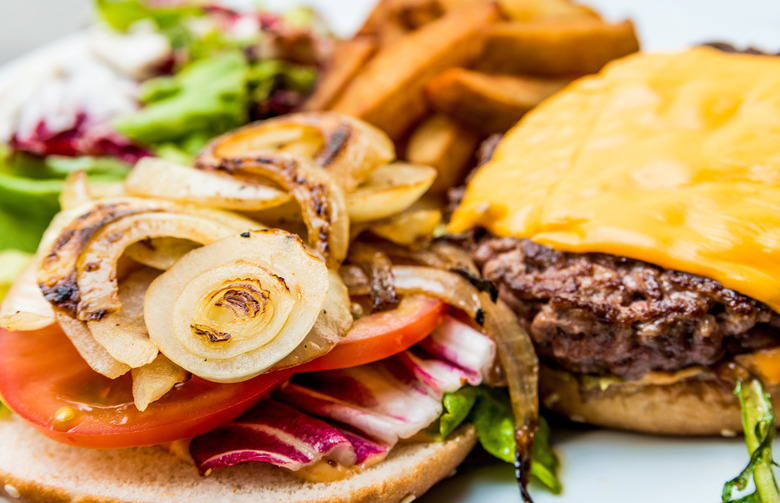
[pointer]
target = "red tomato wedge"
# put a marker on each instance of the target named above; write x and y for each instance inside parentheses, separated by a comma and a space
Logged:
(46, 382)
(384, 334)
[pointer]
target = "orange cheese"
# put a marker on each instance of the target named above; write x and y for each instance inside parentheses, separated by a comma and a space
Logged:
(673, 159)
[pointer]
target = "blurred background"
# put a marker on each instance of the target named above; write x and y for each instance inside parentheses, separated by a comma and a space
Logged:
(25, 25)
(662, 24)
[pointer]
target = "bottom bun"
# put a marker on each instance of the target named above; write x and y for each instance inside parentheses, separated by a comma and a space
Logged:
(34, 468)
(697, 405)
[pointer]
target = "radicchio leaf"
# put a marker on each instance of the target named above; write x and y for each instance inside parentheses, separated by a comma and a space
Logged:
(275, 433)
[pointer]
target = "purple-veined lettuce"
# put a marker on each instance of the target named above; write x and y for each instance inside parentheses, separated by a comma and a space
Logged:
(365, 409)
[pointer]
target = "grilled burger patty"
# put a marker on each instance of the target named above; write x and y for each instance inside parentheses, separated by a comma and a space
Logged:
(602, 314)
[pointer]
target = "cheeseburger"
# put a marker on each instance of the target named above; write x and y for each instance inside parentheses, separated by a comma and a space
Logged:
(634, 225)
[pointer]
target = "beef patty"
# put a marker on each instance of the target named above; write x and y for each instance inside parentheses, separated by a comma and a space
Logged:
(601, 314)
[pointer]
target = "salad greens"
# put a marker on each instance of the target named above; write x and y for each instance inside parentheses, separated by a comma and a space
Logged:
(760, 428)
(491, 412)
(225, 68)
(30, 186)
(11, 264)
(205, 99)
(121, 14)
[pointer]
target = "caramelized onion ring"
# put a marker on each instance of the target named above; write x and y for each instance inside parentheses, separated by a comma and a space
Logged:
(320, 197)
(165, 180)
(231, 310)
(348, 148)
(78, 270)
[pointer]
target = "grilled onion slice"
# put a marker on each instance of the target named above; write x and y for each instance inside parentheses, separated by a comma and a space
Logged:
(90, 350)
(347, 147)
(333, 323)
(388, 190)
(162, 179)
(154, 380)
(231, 310)
(160, 253)
(123, 333)
(320, 197)
(23, 307)
(413, 226)
(78, 271)
(515, 349)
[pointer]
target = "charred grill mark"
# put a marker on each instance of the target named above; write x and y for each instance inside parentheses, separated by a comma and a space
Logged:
(60, 286)
(286, 172)
(481, 284)
(244, 303)
(377, 267)
(64, 293)
(335, 141)
(210, 333)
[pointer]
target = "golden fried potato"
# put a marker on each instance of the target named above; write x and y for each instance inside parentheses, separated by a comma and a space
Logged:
(446, 145)
(488, 103)
(347, 60)
(535, 10)
(389, 91)
(555, 48)
(416, 13)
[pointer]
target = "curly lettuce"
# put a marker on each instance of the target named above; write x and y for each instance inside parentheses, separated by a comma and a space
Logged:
(491, 413)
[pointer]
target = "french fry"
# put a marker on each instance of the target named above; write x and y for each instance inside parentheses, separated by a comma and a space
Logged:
(383, 23)
(555, 48)
(414, 14)
(447, 146)
(389, 91)
(376, 18)
(535, 10)
(488, 103)
(347, 60)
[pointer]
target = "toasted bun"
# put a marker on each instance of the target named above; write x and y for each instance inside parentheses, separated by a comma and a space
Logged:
(694, 406)
(34, 468)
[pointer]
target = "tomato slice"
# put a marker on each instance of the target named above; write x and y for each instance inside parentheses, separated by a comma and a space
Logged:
(45, 381)
(380, 335)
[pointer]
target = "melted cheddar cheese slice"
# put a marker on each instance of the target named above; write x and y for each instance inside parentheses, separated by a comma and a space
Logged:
(673, 159)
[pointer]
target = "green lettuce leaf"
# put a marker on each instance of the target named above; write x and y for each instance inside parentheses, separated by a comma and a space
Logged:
(268, 75)
(29, 188)
(207, 98)
(11, 264)
(759, 424)
(491, 412)
(121, 14)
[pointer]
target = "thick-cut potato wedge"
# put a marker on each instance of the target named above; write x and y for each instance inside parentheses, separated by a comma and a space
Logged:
(488, 103)
(556, 48)
(447, 146)
(376, 18)
(389, 91)
(535, 10)
(390, 189)
(383, 23)
(347, 60)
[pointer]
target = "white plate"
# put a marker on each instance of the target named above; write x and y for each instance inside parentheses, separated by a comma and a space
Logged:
(598, 465)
